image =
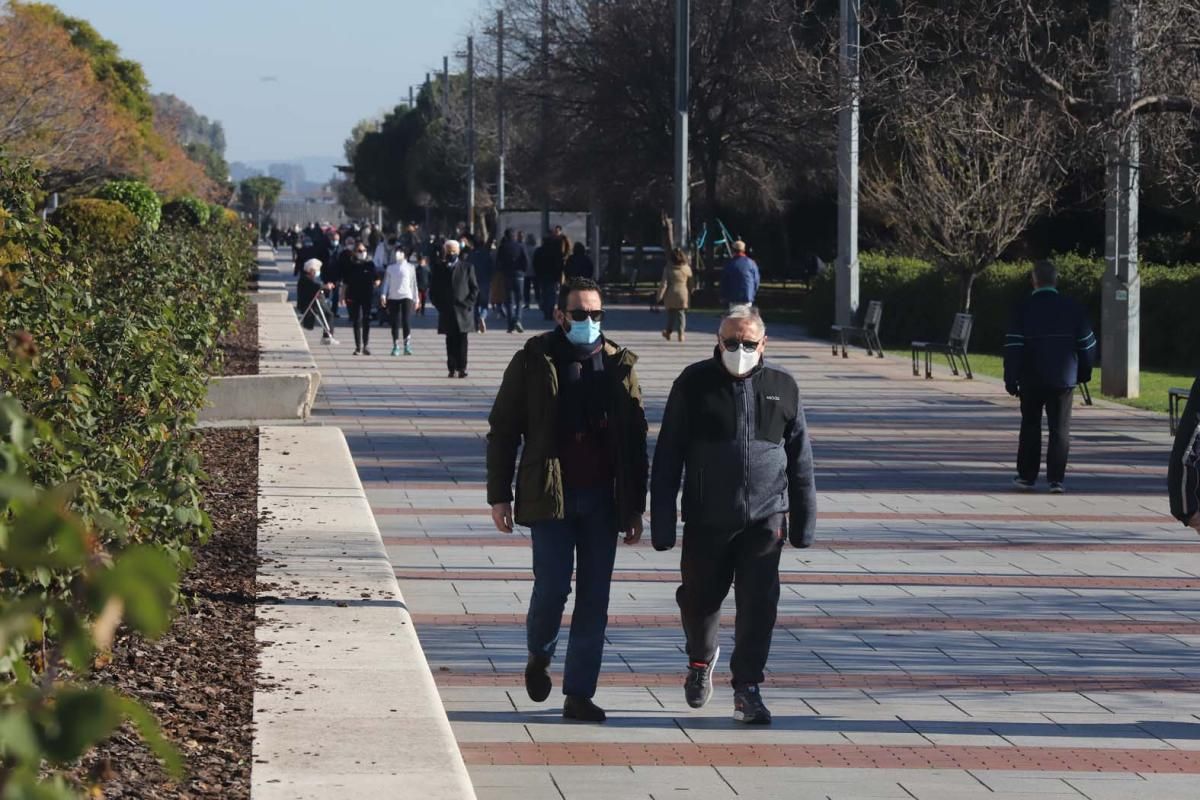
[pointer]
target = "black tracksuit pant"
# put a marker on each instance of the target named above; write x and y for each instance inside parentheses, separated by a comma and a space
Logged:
(360, 318)
(749, 561)
(1057, 405)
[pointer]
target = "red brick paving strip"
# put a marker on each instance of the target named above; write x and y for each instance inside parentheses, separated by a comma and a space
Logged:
(1025, 625)
(879, 516)
(1055, 759)
(1046, 545)
(845, 579)
(863, 680)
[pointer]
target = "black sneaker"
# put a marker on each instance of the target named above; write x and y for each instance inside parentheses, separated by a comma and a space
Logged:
(698, 688)
(1022, 485)
(366, 351)
(1057, 488)
(519, 328)
(357, 350)
(748, 707)
(582, 709)
(537, 677)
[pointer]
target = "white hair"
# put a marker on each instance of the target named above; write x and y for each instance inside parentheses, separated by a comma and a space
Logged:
(452, 245)
(312, 266)
(749, 314)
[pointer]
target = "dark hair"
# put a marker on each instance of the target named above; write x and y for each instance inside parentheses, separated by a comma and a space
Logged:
(576, 285)
(1045, 273)
(678, 256)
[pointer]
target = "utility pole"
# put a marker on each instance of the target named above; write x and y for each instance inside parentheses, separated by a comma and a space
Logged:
(544, 143)
(503, 136)
(471, 135)
(846, 278)
(411, 104)
(446, 86)
(682, 95)
(1121, 288)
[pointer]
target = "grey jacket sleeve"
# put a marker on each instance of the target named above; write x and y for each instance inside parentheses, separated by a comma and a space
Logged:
(802, 488)
(667, 470)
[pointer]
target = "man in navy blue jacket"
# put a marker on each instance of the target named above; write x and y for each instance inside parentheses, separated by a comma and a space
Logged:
(734, 432)
(1050, 348)
(739, 279)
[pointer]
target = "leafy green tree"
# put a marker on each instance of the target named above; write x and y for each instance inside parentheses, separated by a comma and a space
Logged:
(258, 195)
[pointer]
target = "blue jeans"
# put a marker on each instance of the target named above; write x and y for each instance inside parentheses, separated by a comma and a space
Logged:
(515, 289)
(589, 529)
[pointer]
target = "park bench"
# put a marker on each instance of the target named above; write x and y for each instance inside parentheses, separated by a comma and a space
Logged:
(1176, 397)
(868, 331)
(954, 349)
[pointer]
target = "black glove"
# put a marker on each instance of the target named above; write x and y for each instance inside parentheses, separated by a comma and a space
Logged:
(1012, 389)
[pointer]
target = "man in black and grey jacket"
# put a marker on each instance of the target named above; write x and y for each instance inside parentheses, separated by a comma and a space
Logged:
(734, 431)
(1050, 348)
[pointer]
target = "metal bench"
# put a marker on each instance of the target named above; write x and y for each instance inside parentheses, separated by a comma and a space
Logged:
(868, 331)
(1176, 397)
(955, 349)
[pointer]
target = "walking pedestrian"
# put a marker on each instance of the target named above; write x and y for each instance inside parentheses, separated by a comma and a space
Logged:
(1183, 473)
(481, 260)
(531, 245)
(570, 401)
(1050, 348)
(740, 278)
(399, 297)
(308, 289)
(512, 263)
(423, 277)
(675, 292)
(548, 270)
(359, 280)
(454, 292)
(735, 424)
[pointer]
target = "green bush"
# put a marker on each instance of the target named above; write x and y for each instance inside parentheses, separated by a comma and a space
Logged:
(109, 351)
(186, 211)
(89, 222)
(138, 198)
(216, 213)
(920, 302)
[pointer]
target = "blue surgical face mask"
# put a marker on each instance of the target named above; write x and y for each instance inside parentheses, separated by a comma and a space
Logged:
(583, 333)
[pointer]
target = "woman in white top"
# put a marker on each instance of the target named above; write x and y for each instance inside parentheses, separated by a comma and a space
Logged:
(399, 296)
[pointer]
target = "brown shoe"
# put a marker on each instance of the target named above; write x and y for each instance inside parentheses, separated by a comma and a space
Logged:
(667, 335)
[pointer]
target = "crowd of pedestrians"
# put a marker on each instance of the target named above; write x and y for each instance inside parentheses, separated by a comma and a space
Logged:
(567, 452)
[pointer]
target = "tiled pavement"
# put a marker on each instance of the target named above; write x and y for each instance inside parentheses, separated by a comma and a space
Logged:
(946, 638)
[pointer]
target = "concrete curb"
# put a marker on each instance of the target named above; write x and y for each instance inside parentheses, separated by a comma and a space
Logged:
(350, 707)
(286, 385)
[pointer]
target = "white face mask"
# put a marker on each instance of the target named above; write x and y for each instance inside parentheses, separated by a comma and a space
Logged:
(738, 362)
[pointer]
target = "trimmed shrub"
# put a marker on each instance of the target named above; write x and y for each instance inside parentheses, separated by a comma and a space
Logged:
(215, 212)
(138, 198)
(920, 302)
(108, 360)
(186, 211)
(102, 224)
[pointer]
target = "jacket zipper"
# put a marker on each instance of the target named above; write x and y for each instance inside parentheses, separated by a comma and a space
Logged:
(747, 388)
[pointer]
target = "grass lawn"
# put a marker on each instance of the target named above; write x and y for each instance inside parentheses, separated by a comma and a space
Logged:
(1154, 384)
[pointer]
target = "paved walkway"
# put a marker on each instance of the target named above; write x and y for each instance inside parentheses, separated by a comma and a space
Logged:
(945, 638)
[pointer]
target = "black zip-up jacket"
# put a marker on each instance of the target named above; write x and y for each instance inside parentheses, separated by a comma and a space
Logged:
(1050, 344)
(742, 448)
(511, 258)
(359, 278)
(1181, 483)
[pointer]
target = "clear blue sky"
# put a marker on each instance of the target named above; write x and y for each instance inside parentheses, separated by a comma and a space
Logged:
(335, 62)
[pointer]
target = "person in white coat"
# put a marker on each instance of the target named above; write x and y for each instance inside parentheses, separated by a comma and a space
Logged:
(400, 298)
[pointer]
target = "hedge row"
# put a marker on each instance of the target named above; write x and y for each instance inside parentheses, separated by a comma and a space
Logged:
(920, 302)
(112, 331)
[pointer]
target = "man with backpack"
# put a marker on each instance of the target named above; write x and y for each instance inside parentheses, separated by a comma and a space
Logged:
(1183, 473)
